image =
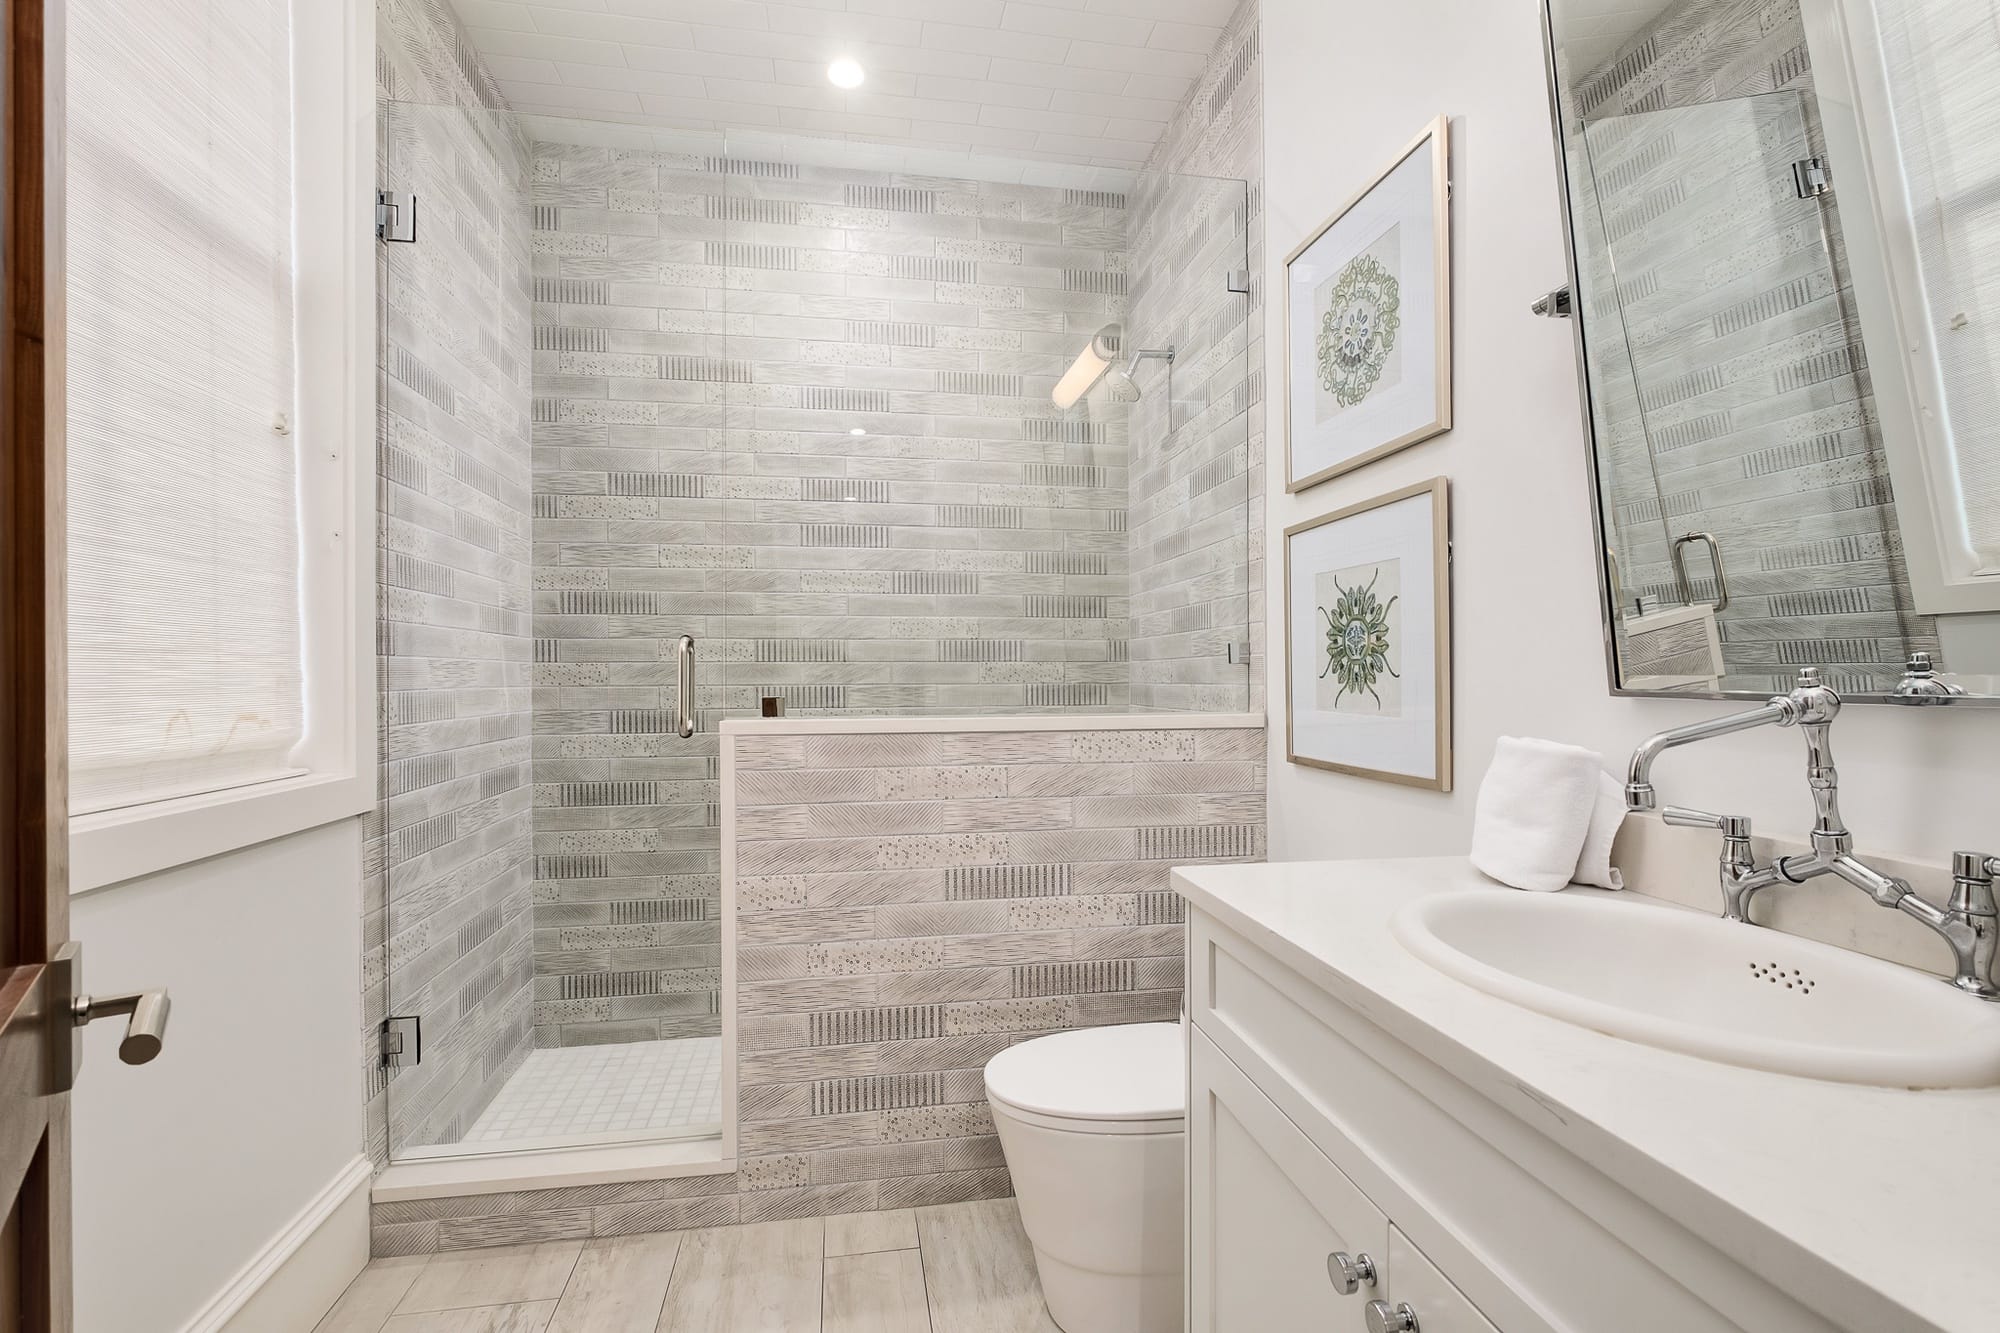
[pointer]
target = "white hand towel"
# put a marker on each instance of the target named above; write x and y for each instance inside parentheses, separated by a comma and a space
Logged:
(1534, 812)
(1593, 866)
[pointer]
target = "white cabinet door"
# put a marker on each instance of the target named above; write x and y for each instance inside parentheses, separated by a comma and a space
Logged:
(1266, 1210)
(1415, 1281)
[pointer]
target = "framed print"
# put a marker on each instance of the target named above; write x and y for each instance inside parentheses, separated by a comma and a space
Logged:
(1368, 638)
(1368, 320)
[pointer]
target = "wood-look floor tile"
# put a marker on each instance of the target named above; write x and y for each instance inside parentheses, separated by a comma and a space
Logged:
(519, 1317)
(504, 1275)
(864, 1233)
(619, 1285)
(879, 1292)
(762, 1277)
(373, 1296)
(980, 1270)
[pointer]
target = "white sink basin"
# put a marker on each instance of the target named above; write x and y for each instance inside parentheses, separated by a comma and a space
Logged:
(1718, 989)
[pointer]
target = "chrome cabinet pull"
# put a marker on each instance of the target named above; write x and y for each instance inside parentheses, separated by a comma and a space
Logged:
(1385, 1318)
(1349, 1272)
(684, 707)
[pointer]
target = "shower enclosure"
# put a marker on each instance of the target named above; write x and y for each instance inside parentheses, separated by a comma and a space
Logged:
(792, 398)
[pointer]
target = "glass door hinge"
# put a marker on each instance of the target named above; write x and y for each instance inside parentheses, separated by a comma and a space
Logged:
(1239, 654)
(1809, 175)
(402, 1041)
(395, 215)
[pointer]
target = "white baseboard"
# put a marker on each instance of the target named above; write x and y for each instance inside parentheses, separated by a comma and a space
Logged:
(295, 1279)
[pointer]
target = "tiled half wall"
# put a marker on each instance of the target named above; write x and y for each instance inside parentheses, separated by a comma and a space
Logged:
(907, 904)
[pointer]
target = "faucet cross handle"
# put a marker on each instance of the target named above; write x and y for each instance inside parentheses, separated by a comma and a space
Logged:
(1732, 826)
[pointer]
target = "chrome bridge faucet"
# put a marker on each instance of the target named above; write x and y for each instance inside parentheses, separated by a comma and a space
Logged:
(1969, 923)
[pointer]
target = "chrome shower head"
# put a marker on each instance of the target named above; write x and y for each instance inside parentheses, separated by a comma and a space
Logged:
(1124, 380)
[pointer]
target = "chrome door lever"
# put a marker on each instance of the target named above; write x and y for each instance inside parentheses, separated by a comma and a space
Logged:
(146, 1024)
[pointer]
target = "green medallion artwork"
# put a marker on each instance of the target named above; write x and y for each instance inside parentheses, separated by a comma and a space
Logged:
(1361, 648)
(1360, 314)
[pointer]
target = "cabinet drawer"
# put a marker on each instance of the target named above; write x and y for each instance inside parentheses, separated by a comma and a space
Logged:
(1266, 1210)
(1416, 1282)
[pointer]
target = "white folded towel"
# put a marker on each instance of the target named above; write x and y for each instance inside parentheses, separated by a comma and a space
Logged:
(1593, 864)
(1542, 820)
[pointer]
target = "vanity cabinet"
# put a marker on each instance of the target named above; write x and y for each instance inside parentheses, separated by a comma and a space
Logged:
(1314, 1132)
(1282, 1239)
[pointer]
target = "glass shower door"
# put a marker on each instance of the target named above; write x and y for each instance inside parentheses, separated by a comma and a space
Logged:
(1733, 399)
(547, 847)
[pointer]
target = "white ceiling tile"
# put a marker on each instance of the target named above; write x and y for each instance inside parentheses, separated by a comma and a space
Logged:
(1054, 122)
(1134, 60)
(854, 29)
(532, 45)
(994, 42)
(520, 70)
(610, 27)
(1169, 11)
(982, 93)
(582, 99)
(1111, 104)
(675, 60)
(1160, 87)
(1078, 89)
(1072, 22)
(971, 13)
(725, 13)
(495, 14)
(919, 60)
(762, 42)
(1184, 37)
(1038, 75)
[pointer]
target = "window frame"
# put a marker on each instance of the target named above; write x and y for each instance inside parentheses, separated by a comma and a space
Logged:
(333, 100)
(1857, 109)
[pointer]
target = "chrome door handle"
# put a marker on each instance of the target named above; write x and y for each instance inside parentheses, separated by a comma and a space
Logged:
(145, 1028)
(684, 706)
(1686, 587)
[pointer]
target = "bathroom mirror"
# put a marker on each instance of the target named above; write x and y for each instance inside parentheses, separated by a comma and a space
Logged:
(1783, 220)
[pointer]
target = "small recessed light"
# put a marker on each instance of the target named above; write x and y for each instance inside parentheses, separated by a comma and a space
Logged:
(859, 430)
(846, 74)
(851, 498)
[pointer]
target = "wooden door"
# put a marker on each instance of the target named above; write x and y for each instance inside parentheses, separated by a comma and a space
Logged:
(1267, 1211)
(35, 1027)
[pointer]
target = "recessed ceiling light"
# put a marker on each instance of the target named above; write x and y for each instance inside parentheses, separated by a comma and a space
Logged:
(845, 73)
(859, 430)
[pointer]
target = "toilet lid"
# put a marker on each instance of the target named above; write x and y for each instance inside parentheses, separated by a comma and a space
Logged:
(1135, 1071)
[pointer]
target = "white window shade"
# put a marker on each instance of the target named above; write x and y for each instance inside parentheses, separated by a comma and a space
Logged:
(184, 603)
(1940, 58)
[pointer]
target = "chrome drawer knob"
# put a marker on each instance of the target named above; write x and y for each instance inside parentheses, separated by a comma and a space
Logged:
(1384, 1318)
(1348, 1272)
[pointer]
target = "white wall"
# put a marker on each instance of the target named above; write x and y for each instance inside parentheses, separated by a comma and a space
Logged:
(1347, 84)
(187, 1168)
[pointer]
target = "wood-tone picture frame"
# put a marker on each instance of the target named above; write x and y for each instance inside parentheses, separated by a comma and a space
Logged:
(1368, 638)
(1362, 294)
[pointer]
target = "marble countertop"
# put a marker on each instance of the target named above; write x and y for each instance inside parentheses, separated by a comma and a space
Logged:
(1872, 1205)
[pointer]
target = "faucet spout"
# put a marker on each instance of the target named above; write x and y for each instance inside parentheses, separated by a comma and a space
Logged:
(1639, 794)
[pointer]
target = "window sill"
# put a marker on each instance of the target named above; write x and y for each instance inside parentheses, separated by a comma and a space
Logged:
(113, 846)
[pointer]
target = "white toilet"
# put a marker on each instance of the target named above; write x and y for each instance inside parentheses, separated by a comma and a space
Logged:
(1093, 1123)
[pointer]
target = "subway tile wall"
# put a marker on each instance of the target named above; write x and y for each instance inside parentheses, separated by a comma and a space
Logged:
(908, 905)
(1734, 376)
(1197, 451)
(710, 333)
(448, 912)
